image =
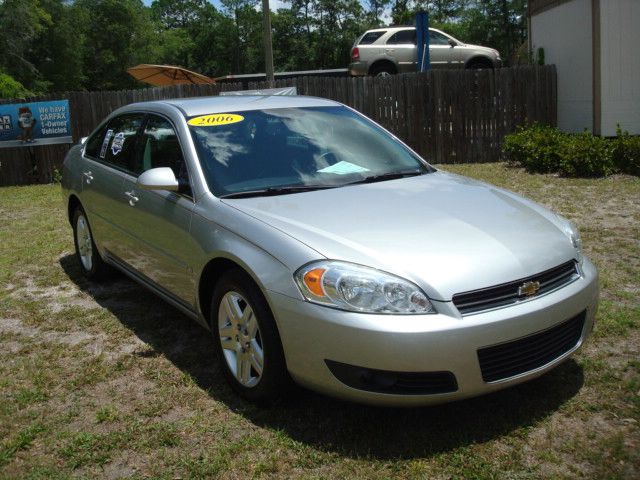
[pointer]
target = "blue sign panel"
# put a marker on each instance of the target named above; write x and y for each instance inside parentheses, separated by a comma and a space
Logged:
(35, 123)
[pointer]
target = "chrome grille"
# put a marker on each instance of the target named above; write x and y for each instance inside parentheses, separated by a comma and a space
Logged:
(509, 293)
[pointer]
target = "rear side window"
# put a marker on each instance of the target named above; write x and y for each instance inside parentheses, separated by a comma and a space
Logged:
(403, 37)
(94, 142)
(370, 37)
(118, 147)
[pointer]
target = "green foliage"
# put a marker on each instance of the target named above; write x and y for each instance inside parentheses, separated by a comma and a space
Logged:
(586, 155)
(536, 148)
(11, 88)
(63, 45)
(498, 24)
(626, 153)
(120, 34)
(544, 149)
(21, 24)
(540, 56)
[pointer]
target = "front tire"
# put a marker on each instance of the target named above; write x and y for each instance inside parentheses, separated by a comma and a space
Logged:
(246, 340)
(480, 64)
(87, 254)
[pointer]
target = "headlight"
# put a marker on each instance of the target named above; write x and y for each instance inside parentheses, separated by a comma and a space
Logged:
(360, 289)
(574, 235)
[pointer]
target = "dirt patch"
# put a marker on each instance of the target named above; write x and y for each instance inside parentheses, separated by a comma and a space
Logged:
(15, 326)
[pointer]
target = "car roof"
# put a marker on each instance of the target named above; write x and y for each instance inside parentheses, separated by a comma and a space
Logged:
(395, 28)
(234, 103)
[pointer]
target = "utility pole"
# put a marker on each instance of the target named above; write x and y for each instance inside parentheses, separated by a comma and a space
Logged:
(268, 46)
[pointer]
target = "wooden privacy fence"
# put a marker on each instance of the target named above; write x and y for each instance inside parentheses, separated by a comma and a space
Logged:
(448, 116)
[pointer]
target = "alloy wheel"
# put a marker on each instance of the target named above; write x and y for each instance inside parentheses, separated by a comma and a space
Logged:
(84, 242)
(240, 338)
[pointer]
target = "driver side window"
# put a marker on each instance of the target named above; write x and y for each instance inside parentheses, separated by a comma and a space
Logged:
(436, 38)
(159, 147)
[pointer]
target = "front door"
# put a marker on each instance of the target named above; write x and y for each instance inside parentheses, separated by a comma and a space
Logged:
(440, 51)
(158, 221)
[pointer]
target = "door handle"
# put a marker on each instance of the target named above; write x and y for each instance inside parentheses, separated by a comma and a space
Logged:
(88, 176)
(132, 198)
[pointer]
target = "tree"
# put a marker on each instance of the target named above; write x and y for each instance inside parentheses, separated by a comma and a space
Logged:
(59, 49)
(496, 23)
(400, 12)
(21, 22)
(338, 24)
(376, 9)
(442, 11)
(291, 48)
(119, 34)
(241, 13)
(11, 88)
(213, 52)
(173, 14)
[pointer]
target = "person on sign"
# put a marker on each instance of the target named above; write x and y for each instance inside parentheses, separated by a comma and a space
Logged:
(27, 121)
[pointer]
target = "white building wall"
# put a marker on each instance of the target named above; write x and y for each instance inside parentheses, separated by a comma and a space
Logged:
(620, 62)
(565, 33)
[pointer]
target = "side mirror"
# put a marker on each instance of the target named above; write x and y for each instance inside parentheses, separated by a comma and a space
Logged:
(453, 43)
(161, 178)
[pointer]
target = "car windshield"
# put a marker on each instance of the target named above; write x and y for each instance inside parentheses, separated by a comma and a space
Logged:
(287, 150)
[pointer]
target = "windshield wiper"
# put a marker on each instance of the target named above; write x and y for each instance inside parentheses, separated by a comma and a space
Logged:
(388, 176)
(263, 192)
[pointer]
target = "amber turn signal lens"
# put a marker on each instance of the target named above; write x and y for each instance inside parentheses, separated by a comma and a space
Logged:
(313, 281)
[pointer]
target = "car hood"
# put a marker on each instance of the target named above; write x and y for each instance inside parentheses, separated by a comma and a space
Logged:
(480, 48)
(447, 233)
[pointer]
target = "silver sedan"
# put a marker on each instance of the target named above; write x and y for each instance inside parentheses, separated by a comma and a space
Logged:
(319, 249)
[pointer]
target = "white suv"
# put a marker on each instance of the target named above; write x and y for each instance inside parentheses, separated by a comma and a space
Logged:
(385, 51)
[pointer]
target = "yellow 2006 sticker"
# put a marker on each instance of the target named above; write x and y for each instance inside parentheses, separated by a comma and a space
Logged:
(215, 120)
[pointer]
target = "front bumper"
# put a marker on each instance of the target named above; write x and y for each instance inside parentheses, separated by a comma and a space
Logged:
(445, 342)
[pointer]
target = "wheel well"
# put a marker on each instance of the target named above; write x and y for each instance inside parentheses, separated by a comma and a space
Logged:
(384, 64)
(479, 62)
(74, 203)
(210, 275)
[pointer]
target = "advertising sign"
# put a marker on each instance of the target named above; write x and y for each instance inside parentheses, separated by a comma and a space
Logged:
(35, 123)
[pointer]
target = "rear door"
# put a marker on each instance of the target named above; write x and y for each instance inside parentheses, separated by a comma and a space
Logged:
(158, 221)
(401, 47)
(108, 156)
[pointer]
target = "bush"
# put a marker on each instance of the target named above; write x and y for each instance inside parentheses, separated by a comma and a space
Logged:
(536, 148)
(545, 149)
(626, 153)
(586, 155)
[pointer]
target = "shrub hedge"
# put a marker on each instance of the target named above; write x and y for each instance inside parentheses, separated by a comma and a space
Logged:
(544, 149)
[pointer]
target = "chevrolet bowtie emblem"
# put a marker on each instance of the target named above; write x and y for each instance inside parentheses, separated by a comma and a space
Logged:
(528, 289)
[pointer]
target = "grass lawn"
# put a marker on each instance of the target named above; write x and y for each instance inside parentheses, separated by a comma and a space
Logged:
(108, 381)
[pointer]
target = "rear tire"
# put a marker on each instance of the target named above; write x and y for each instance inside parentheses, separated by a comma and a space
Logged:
(382, 71)
(246, 340)
(89, 259)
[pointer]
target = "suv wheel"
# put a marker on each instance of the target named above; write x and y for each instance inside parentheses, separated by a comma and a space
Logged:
(382, 71)
(479, 64)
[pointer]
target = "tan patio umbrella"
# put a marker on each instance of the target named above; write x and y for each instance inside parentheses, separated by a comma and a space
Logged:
(163, 75)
